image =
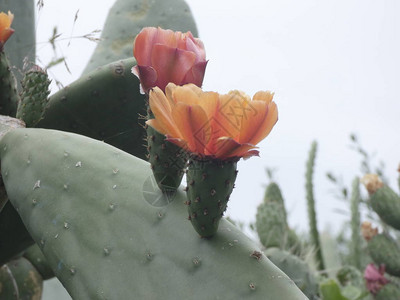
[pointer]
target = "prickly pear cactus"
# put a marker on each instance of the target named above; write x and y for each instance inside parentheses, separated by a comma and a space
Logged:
(127, 18)
(34, 96)
(167, 161)
(389, 291)
(296, 269)
(386, 203)
(92, 215)
(271, 220)
(209, 185)
(271, 225)
(385, 250)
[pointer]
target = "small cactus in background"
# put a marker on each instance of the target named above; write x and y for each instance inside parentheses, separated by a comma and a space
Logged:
(34, 96)
(271, 220)
(312, 216)
(202, 123)
(384, 201)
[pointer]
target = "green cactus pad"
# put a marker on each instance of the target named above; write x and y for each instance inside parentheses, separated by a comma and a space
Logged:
(167, 161)
(389, 291)
(384, 250)
(273, 194)
(296, 269)
(105, 105)
(209, 186)
(386, 203)
(271, 225)
(37, 259)
(8, 88)
(127, 18)
(34, 96)
(103, 239)
(19, 280)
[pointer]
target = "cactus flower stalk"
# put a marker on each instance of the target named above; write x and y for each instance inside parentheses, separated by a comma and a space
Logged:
(165, 56)
(216, 130)
(5, 30)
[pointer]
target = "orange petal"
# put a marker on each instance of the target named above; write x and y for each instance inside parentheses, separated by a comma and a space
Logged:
(169, 91)
(252, 119)
(209, 102)
(156, 125)
(5, 30)
(192, 122)
(266, 96)
(162, 111)
(227, 148)
(229, 114)
(186, 94)
(267, 125)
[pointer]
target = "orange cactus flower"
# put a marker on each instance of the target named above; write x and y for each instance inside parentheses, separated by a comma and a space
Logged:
(211, 125)
(5, 30)
(165, 56)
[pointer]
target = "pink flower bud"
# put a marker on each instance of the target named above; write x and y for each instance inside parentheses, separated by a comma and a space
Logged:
(165, 56)
(375, 278)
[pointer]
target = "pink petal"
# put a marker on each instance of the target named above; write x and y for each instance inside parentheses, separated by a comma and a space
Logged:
(147, 76)
(171, 64)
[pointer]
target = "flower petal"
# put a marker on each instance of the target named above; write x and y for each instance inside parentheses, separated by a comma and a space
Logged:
(186, 94)
(226, 147)
(266, 126)
(156, 125)
(266, 96)
(196, 74)
(193, 124)
(5, 30)
(147, 38)
(162, 111)
(171, 64)
(147, 76)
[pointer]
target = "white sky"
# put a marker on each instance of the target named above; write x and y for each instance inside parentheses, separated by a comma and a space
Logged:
(334, 67)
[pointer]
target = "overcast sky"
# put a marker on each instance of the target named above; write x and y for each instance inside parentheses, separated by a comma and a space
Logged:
(334, 67)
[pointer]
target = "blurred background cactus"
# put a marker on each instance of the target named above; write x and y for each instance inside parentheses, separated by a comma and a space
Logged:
(54, 220)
